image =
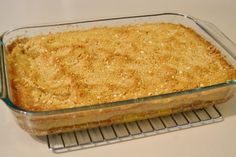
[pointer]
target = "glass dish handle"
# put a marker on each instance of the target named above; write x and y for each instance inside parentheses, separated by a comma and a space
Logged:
(219, 36)
(2, 72)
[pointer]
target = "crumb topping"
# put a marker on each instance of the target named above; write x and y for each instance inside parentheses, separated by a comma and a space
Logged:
(108, 64)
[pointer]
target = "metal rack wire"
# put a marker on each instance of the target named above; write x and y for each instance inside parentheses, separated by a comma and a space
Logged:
(123, 132)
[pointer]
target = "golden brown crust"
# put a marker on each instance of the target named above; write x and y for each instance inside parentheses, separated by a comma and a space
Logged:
(98, 65)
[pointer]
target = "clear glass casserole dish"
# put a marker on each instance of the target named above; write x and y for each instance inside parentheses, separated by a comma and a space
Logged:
(64, 120)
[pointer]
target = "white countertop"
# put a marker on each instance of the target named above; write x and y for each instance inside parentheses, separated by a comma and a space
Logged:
(211, 140)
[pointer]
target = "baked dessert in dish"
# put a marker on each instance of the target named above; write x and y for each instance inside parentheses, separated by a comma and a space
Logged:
(109, 64)
(132, 69)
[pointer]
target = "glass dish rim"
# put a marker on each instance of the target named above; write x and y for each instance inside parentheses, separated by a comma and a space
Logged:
(109, 104)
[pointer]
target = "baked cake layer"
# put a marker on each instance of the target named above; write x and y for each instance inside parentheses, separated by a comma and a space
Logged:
(108, 64)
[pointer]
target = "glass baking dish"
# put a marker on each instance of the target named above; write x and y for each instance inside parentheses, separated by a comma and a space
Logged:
(64, 120)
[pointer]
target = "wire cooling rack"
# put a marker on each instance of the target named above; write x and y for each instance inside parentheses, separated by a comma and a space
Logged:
(133, 130)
